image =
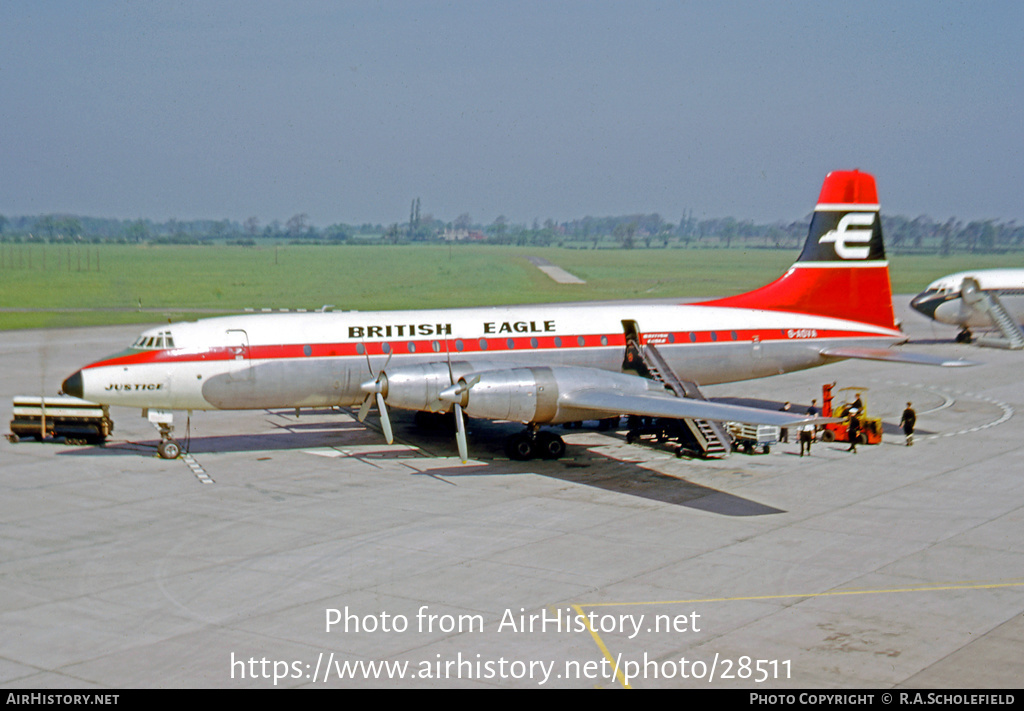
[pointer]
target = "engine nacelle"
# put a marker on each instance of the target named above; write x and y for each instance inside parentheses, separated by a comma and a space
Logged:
(415, 387)
(533, 394)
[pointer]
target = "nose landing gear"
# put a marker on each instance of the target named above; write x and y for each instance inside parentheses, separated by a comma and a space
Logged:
(168, 447)
(163, 420)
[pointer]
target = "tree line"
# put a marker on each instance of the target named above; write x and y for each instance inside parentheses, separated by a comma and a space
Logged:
(638, 231)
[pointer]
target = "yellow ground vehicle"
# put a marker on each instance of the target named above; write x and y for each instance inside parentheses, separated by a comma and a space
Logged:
(870, 430)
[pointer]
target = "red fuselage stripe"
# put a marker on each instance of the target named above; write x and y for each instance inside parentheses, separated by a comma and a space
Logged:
(459, 346)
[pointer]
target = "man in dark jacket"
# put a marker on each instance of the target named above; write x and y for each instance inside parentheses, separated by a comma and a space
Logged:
(854, 430)
(907, 423)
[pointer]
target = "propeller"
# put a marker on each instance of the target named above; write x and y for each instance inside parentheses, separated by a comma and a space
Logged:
(374, 390)
(455, 394)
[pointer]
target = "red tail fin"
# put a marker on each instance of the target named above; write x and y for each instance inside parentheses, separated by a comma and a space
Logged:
(842, 271)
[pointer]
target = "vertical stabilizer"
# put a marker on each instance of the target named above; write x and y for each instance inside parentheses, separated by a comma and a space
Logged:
(842, 271)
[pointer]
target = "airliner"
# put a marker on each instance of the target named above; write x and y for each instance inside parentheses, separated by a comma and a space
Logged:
(972, 300)
(534, 364)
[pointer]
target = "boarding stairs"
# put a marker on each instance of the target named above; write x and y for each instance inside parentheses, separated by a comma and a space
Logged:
(989, 303)
(711, 437)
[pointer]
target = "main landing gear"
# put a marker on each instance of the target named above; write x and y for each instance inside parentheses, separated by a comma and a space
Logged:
(964, 336)
(532, 443)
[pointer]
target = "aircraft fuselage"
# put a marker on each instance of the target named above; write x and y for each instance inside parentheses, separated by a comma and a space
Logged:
(321, 359)
(942, 300)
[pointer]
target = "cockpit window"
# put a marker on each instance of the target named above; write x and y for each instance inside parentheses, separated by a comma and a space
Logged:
(157, 342)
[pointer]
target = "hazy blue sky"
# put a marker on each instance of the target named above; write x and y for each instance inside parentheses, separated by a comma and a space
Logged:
(346, 111)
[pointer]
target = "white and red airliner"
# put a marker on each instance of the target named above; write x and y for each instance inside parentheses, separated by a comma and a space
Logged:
(535, 364)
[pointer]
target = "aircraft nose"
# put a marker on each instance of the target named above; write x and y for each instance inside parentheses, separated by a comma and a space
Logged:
(73, 385)
(926, 302)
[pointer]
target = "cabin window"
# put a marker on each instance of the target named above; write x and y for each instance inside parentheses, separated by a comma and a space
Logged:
(581, 341)
(693, 337)
(360, 348)
(458, 344)
(308, 350)
(483, 344)
(436, 346)
(385, 348)
(558, 341)
(412, 347)
(533, 343)
(510, 343)
(604, 340)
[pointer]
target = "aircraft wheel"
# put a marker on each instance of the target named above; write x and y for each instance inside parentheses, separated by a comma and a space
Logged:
(550, 446)
(13, 438)
(520, 447)
(169, 449)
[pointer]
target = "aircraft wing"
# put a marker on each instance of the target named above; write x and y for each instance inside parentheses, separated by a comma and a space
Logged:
(676, 407)
(894, 356)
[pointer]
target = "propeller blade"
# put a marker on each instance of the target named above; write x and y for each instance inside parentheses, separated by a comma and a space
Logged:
(385, 421)
(460, 434)
(364, 409)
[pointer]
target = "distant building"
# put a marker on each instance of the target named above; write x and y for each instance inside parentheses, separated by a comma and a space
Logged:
(462, 235)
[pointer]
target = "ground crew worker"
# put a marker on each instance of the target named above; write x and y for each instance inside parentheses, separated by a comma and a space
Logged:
(907, 422)
(806, 437)
(853, 428)
(813, 411)
(858, 404)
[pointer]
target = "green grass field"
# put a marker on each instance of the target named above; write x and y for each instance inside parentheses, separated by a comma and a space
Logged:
(181, 281)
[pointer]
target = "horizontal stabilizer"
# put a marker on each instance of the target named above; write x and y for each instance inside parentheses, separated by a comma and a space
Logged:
(681, 408)
(893, 356)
